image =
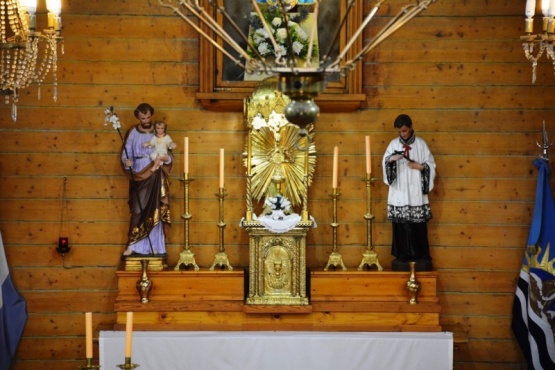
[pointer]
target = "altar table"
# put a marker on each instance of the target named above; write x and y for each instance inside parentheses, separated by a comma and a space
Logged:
(159, 350)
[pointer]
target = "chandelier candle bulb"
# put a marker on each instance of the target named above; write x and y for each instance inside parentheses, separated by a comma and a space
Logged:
(55, 10)
(128, 334)
(529, 12)
(530, 8)
(550, 14)
(31, 7)
(221, 168)
(335, 166)
(545, 7)
(368, 164)
(186, 155)
(54, 6)
(88, 335)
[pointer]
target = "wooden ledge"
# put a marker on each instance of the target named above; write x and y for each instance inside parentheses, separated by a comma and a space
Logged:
(233, 101)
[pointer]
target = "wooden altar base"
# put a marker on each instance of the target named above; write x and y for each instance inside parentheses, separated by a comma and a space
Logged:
(369, 301)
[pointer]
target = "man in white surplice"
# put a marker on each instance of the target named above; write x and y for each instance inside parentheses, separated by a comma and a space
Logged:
(409, 171)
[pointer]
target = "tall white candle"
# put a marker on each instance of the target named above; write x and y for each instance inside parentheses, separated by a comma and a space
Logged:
(88, 335)
(530, 8)
(221, 168)
(186, 154)
(368, 164)
(335, 166)
(551, 11)
(128, 334)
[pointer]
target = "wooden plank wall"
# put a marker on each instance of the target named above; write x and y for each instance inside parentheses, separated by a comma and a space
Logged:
(458, 69)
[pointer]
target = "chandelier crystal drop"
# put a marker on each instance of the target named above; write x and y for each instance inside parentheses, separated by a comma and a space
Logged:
(27, 55)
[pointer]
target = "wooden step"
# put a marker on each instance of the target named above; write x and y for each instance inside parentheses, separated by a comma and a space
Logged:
(339, 301)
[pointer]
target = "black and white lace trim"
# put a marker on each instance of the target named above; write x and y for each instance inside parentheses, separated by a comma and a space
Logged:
(421, 213)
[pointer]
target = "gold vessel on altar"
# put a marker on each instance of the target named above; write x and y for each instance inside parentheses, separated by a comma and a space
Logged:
(280, 164)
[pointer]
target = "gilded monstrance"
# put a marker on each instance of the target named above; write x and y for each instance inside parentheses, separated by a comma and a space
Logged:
(281, 161)
(280, 165)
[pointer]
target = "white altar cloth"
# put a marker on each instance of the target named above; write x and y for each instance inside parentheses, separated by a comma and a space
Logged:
(279, 350)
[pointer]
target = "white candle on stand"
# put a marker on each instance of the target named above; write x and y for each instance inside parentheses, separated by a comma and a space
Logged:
(128, 334)
(221, 168)
(186, 153)
(88, 335)
(368, 164)
(335, 166)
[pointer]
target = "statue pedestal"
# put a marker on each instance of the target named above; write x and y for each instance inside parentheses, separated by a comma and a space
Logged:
(155, 262)
(277, 265)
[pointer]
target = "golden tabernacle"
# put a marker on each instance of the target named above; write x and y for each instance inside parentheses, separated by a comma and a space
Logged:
(280, 164)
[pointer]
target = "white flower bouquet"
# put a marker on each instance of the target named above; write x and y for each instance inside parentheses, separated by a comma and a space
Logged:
(297, 42)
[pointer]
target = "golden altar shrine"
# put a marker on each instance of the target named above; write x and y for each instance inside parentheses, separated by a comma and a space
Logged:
(277, 265)
(277, 291)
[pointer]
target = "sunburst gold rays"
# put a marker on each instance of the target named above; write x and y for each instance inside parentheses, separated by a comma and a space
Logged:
(533, 259)
(280, 155)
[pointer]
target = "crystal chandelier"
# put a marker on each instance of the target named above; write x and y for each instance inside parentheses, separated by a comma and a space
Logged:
(544, 40)
(27, 55)
(303, 81)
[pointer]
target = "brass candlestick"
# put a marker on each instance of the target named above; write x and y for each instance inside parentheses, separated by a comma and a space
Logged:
(304, 213)
(250, 208)
(369, 257)
(249, 213)
(221, 257)
(144, 285)
(186, 257)
(89, 365)
(128, 365)
(335, 258)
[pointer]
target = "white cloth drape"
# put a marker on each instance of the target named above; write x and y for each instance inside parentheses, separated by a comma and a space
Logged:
(280, 350)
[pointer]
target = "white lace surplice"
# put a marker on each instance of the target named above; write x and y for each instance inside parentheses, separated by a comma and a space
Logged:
(405, 191)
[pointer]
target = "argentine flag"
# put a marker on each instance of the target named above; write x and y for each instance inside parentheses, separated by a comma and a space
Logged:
(13, 313)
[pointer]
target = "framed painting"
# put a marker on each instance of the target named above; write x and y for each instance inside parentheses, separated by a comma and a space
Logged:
(223, 85)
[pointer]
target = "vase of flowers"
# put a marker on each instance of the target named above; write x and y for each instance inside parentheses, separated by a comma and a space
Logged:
(291, 35)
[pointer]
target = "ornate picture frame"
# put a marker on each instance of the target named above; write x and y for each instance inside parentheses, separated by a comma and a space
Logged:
(221, 84)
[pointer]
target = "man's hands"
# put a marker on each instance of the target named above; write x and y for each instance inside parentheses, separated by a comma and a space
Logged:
(415, 166)
(411, 164)
(395, 157)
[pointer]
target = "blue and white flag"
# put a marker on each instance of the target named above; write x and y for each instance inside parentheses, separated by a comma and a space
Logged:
(534, 305)
(13, 313)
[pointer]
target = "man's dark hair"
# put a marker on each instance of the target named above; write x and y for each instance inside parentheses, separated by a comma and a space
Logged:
(402, 120)
(143, 108)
